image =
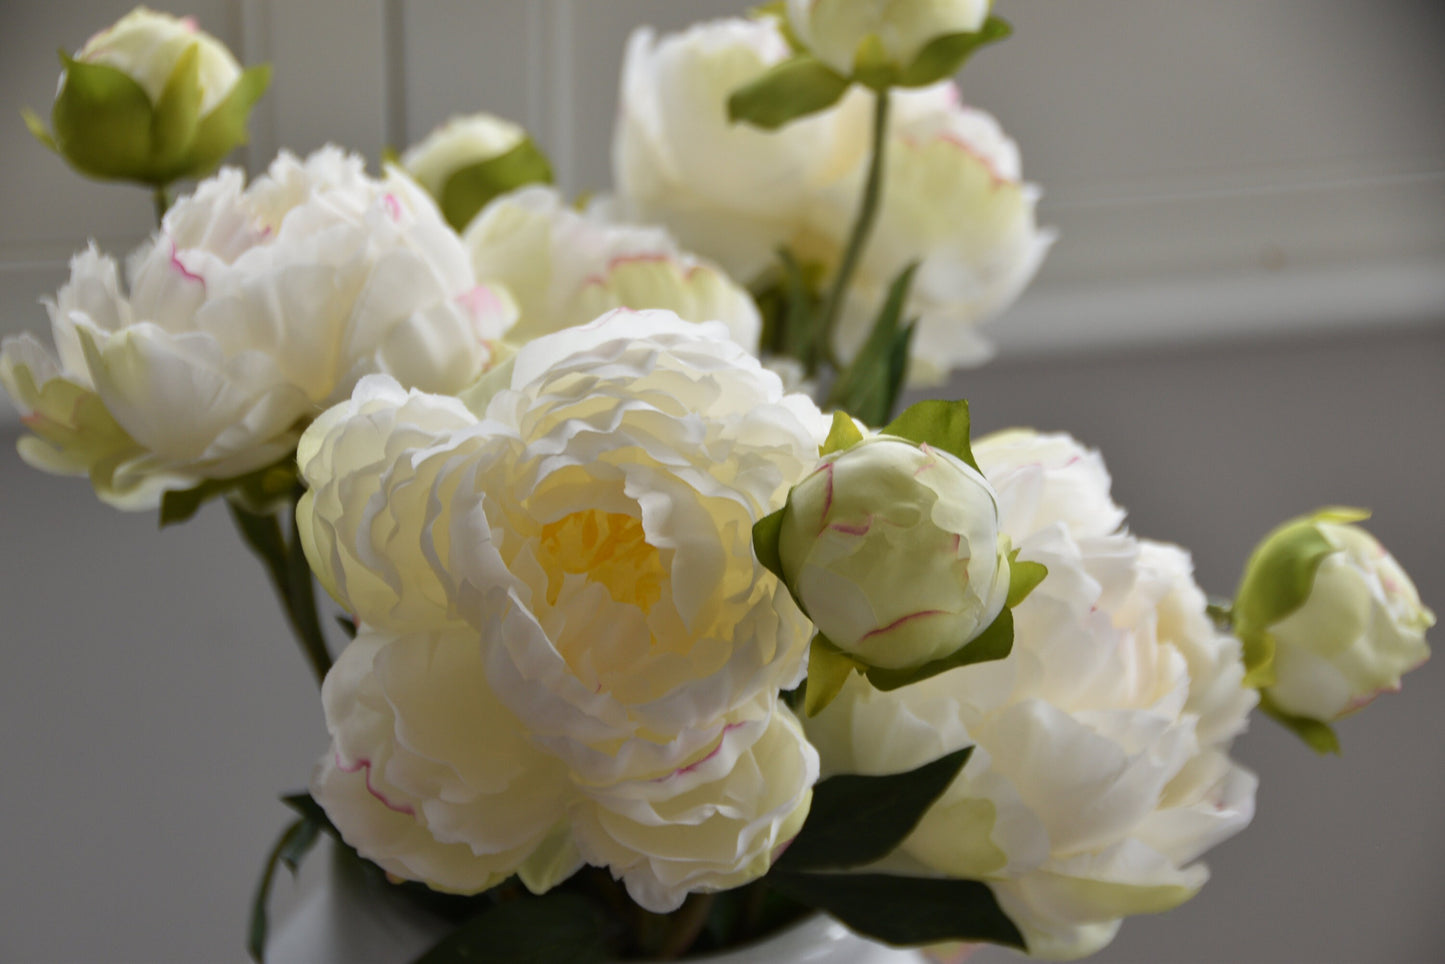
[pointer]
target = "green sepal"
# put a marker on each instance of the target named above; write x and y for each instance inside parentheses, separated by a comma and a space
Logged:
(225, 128)
(871, 66)
(995, 642)
(778, 10)
(538, 930)
(944, 56)
(1023, 578)
(843, 434)
(766, 532)
(390, 157)
(102, 122)
(941, 424)
(37, 129)
(828, 669)
(257, 490)
(870, 385)
(855, 820)
(468, 189)
(1320, 736)
(797, 87)
(1278, 579)
(905, 911)
(175, 117)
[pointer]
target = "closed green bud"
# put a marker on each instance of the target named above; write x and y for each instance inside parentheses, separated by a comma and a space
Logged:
(151, 99)
(1329, 619)
(893, 550)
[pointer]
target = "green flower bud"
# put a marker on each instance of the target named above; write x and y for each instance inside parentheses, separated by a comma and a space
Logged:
(470, 160)
(893, 550)
(1328, 618)
(151, 99)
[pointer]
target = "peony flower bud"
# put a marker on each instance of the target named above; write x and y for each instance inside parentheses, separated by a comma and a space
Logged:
(1328, 617)
(470, 160)
(151, 99)
(893, 550)
(853, 35)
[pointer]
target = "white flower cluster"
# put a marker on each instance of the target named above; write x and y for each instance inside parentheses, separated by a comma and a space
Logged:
(251, 311)
(569, 654)
(1100, 768)
(952, 199)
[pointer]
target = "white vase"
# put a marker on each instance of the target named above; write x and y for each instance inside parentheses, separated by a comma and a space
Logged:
(337, 920)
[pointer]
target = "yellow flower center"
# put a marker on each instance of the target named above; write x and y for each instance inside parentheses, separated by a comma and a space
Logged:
(608, 548)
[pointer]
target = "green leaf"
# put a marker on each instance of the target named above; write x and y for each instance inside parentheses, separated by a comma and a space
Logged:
(943, 425)
(541, 930)
(1023, 578)
(1277, 580)
(907, 911)
(842, 434)
(290, 848)
(37, 129)
(765, 542)
(469, 188)
(102, 122)
(855, 820)
(176, 116)
(828, 669)
(1320, 736)
(797, 87)
(944, 56)
(995, 642)
(869, 387)
(225, 128)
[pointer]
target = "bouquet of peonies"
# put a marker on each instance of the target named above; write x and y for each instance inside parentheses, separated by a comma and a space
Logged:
(648, 653)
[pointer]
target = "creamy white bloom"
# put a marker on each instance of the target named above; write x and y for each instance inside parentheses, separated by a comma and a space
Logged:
(460, 142)
(589, 537)
(146, 46)
(565, 268)
(893, 551)
(730, 192)
(953, 200)
(248, 313)
(1100, 771)
(834, 30)
(1360, 628)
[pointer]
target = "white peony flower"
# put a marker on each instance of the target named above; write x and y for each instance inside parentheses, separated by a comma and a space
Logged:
(1100, 771)
(954, 201)
(1357, 630)
(890, 31)
(953, 198)
(588, 541)
(249, 312)
(565, 268)
(893, 551)
(730, 192)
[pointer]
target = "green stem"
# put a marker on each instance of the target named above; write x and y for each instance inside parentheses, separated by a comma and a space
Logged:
(685, 926)
(862, 226)
(290, 577)
(162, 200)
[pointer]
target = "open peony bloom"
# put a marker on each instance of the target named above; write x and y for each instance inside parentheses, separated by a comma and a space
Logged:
(565, 268)
(251, 311)
(1101, 769)
(569, 654)
(953, 198)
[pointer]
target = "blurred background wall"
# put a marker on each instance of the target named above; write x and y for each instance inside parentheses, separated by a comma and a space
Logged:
(1245, 312)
